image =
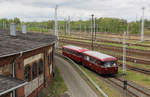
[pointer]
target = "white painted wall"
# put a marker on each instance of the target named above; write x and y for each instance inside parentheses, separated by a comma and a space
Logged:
(33, 85)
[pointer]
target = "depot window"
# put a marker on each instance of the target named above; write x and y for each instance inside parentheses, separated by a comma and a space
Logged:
(40, 67)
(27, 73)
(34, 70)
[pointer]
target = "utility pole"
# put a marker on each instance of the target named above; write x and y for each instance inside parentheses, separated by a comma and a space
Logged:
(69, 25)
(56, 25)
(92, 31)
(124, 65)
(3, 24)
(97, 28)
(66, 26)
(94, 28)
(142, 30)
(85, 28)
(92, 25)
(136, 24)
(124, 53)
(80, 28)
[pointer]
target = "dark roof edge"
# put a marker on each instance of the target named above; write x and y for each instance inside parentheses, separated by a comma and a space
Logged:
(13, 88)
(27, 50)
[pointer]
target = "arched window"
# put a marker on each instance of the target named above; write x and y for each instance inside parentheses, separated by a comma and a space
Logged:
(40, 67)
(34, 70)
(27, 73)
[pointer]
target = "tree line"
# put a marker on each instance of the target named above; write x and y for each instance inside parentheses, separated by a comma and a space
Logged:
(112, 25)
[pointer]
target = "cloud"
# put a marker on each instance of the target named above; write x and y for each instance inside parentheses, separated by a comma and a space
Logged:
(77, 9)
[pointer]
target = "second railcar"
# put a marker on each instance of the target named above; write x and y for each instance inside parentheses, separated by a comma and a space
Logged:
(73, 52)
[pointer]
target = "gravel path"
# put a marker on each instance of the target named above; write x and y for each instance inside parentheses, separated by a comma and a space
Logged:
(75, 84)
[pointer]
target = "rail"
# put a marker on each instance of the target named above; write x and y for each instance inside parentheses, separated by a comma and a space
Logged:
(91, 81)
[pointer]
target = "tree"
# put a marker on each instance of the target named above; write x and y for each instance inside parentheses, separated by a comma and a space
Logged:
(16, 20)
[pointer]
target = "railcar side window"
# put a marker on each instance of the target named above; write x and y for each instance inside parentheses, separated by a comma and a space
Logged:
(102, 63)
(86, 58)
(40, 67)
(93, 60)
(27, 73)
(34, 70)
(65, 49)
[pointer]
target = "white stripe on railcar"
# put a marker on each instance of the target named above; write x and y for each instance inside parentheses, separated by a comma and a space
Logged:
(98, 54)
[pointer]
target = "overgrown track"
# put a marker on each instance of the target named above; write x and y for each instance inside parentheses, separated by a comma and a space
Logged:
(132, 88)
(133, 37)
(106, 41)
(115, 49)
(111, 48)
(140, 70)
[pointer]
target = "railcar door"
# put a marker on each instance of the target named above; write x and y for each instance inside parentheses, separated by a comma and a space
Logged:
(86, 60)
(100, 68)
(93, 63)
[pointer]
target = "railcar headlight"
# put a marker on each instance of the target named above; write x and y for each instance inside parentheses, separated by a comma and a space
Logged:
(114, 64)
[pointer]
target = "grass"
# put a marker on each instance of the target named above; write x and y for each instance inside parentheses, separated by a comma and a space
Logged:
(143, 66)
(113, 44)
(138, 78)
(57, 86)
(108, 89)
(101, 36)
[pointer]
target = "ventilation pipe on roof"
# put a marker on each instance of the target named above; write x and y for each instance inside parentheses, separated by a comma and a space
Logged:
(13, 29)
(24, 29)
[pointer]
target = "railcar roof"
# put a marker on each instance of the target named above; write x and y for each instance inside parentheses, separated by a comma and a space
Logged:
(10, 45)
(98, 55)
(75, 48)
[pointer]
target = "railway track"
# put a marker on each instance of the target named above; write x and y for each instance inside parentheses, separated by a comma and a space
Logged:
(109, 47)
(110, 37)
(131, 59)
(106, 41)
(132, 88)
(140, 70)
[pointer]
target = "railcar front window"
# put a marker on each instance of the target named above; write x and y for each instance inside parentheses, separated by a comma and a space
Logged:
(110, 64)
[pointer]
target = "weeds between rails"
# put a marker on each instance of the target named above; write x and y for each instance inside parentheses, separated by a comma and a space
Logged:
(106, 41)
(114, 80)
(115, 49)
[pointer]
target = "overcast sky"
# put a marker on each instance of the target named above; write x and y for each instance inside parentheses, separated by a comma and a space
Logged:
(33, 10)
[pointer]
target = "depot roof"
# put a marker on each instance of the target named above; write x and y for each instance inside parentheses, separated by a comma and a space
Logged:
(10, 45)
(8, 84)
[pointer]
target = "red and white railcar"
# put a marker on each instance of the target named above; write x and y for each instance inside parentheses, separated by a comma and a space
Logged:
(99, 62)
(73, 52)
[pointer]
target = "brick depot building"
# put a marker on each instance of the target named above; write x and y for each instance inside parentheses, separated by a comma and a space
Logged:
(26, 63)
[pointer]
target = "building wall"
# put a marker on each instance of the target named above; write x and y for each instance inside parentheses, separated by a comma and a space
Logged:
(28, 59)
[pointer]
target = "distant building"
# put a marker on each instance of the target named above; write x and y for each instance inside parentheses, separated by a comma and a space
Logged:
(26, 63)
